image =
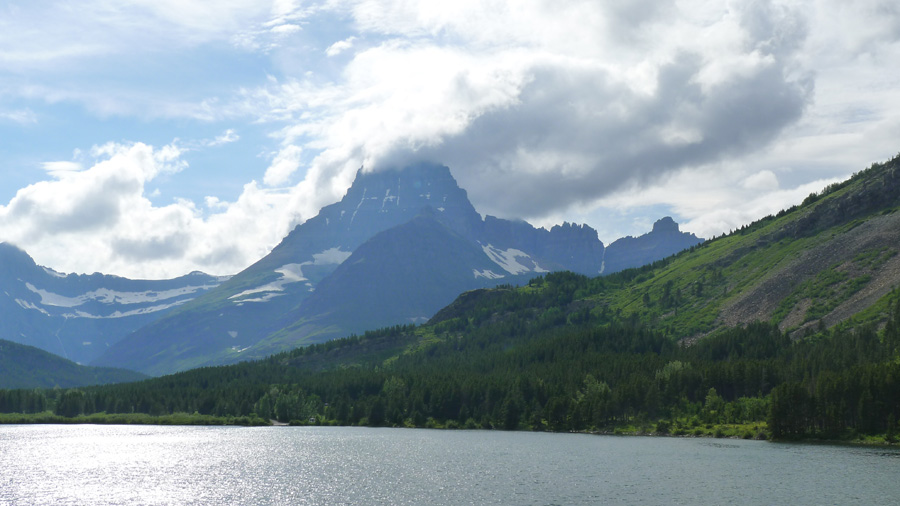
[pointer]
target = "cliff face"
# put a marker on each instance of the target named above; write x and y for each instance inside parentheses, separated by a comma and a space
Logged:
(577, 246)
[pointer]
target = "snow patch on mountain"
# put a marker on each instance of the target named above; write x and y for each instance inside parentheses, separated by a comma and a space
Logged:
(53, 273)
(107, 296)
(123, 314)
(363, 199)
(332, 256)
(291, 273)
(511, 260)
(487, 273)
(388, 198)
(29, 305)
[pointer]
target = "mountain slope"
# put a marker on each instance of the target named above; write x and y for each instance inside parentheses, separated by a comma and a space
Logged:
(79, 316)
(391, 279)
(29, 367)
(375, 202)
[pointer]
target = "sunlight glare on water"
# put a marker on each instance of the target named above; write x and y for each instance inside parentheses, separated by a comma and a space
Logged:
(118, 465)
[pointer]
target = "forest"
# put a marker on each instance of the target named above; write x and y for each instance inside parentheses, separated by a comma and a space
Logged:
(532, 359)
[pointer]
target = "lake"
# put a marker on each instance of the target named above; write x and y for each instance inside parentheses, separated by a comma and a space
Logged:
(148, 465)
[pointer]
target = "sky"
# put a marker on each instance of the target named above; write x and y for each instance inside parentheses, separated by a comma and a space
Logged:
(151, 138)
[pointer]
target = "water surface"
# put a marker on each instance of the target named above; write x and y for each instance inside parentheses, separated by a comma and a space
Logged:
(115, 465)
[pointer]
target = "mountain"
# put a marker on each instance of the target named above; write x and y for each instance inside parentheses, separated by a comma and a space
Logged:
(788, 327)
(29, 367)
(407, 273)
(79, 316)
(402, 275)
(664, 240)
(362, 254)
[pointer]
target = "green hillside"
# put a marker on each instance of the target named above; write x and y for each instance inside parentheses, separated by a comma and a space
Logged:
(789, 327)
(24, 366)
(815, 265)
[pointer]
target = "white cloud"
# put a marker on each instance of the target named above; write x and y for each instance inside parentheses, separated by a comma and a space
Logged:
(548, 109)
(762, 180)
(47, 34)
(285, 29)
(340, 46)
(286, 162)
(724, 218)
(61, 169)
(707, 201)
(543, 110)
(285, 18)
(98, 219)
(227, 137)
(540, 107)
(85, 54)
(21, 116)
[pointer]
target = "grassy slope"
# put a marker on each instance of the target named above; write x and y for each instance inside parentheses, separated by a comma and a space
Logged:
(768, 273)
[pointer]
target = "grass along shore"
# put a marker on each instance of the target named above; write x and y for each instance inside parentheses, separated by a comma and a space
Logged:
(663, 428)
(48, 417)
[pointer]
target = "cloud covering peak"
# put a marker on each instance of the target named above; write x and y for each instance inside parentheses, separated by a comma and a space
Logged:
(610, 113)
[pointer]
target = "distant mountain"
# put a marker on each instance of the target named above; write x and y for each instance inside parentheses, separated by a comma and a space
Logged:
(664, 240)
(396, 248)
(79, 316)
(29, 367)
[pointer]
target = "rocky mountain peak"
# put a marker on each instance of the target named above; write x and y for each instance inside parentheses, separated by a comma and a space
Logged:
(16, 263)
(11, 253)
(666, 224)
(377, 201)
(405, 192)
(665, 239)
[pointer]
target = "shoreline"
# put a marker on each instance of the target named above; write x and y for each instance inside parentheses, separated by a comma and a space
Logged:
(184, 419)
